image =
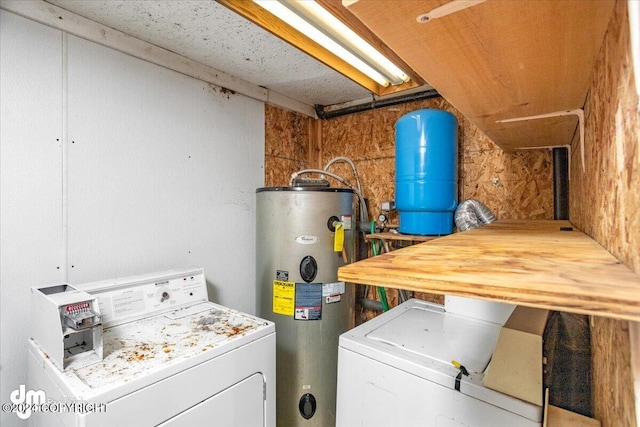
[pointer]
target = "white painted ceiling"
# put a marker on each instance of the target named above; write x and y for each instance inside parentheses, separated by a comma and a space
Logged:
(209, 33)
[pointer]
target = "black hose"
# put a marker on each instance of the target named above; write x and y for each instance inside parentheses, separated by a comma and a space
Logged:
(371, 304)
(324, 112)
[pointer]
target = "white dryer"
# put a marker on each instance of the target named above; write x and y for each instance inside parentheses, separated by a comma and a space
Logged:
(397, 370)
(159, 354)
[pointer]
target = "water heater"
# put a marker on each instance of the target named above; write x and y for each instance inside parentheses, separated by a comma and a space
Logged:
(303, 235)
(426, 171)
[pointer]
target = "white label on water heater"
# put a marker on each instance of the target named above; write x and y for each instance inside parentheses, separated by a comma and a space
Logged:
(332, 299)
(307, 240)
(346, 221)
(332, 289)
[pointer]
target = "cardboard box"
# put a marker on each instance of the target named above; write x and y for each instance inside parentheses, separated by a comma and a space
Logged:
(516, 364)
(558, 417)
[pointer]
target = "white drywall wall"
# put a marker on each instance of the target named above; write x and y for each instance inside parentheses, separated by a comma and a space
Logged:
(114, 166)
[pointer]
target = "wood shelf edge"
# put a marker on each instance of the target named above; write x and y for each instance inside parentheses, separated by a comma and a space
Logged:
(582, 278)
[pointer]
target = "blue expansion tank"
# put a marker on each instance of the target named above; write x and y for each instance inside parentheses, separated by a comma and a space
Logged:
(426, 171)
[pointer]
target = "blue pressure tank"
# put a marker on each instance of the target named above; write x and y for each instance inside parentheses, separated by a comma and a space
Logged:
(426, 172)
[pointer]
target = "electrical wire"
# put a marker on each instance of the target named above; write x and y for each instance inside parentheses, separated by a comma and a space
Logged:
(350, 163)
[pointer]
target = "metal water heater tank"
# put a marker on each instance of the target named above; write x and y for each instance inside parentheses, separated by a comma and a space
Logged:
(303, 235)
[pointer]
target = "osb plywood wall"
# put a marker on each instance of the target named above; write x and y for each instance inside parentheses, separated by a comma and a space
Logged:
(517, 185)
(286, 145)
(605, 203)
(512, 185)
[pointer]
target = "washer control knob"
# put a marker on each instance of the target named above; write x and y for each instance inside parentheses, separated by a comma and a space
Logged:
(163, 295)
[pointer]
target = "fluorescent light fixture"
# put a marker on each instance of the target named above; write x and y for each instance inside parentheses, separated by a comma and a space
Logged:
(315, 22)
(348, 38)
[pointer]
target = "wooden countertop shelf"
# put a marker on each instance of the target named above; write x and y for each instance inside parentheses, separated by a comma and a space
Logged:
(530, 263)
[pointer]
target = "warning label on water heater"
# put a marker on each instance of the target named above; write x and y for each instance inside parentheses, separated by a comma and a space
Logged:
(308, 301)
(284, 297)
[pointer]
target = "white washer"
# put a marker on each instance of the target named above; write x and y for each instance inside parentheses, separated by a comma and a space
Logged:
(396, 370)
(171, 358)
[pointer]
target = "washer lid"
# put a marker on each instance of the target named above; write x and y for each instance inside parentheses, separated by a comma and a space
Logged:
(422, 339)
(440, 336)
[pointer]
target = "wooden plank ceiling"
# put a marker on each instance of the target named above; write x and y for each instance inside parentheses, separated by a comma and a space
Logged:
(500, 59)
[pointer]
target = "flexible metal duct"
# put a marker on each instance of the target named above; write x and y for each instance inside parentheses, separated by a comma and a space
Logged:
(472, 214)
